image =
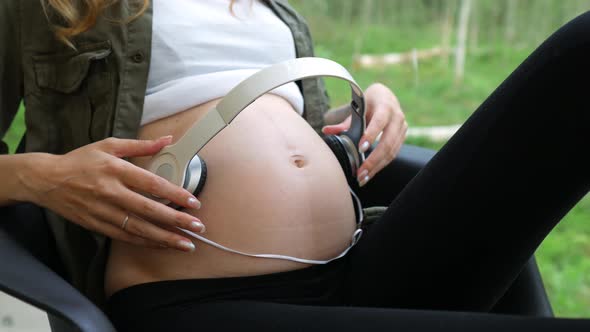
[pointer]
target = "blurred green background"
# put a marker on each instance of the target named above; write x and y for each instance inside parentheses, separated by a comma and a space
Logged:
(496, 36)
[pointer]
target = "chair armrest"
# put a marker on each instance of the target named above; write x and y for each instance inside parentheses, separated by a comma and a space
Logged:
(26, 278)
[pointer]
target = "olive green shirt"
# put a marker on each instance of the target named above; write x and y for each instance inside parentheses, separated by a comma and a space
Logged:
(76, 97)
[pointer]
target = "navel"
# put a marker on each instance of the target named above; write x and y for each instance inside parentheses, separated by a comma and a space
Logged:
(298, 160)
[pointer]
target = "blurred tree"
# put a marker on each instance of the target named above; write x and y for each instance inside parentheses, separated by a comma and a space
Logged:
(461, 39)
(509, 20)
(447, 28)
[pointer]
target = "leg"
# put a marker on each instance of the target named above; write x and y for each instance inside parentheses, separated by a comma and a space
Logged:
(462, 229)
(267, 316)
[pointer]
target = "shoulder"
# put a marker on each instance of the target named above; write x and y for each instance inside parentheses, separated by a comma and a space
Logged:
(9, 11)
(10, 14)
(15, 9)
(15, 15)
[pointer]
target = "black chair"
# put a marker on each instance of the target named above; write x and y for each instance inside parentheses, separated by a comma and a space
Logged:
(32, 271)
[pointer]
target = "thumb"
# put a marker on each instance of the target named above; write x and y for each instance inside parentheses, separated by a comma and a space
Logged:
(333, 129)
(337, 128)
(135, 148)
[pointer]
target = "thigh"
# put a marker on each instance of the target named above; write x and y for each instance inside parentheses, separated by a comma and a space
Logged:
(266, 316)
(461, 230)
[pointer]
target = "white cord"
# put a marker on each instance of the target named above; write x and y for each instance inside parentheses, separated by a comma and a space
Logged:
(355, 238)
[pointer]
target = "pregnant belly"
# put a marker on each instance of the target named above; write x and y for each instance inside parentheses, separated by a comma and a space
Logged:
(273, 186)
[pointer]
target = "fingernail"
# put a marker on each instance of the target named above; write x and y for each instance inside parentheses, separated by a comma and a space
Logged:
(167, 137)
(198, 226)
(364, 146)
(194, 203)
(364, 181)
(186, 245)
(361, 176)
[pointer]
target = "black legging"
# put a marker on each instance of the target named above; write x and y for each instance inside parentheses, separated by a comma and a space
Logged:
(448, 246)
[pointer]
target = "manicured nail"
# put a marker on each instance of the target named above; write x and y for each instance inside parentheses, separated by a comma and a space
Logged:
(194, 203)
(186, 245)
(361, 176)
(364, 146)
(364, 181)
(198, 226)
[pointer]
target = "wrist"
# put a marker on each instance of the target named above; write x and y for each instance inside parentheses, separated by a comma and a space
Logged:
(33, 175)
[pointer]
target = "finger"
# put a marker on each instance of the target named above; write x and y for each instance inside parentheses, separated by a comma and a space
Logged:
(337, 128)
(150, 183)
(386, 143)
(384, 153)
(380, 165)
(117, 212)
(381, 118)
(384, 162)
(154, 211)
(147, 230)
(134, 148)
(116, 233)
(135, 226)
(119, 234)
(394, 151)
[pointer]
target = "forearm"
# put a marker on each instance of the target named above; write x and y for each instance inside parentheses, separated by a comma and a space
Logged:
(16, 173)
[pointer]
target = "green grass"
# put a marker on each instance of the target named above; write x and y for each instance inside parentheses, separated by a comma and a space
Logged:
(564, 261)
(15, 132)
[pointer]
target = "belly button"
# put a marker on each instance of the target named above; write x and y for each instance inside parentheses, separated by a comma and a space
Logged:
(298, 160)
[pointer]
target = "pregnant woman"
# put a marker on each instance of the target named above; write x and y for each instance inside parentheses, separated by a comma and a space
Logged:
(145, 72)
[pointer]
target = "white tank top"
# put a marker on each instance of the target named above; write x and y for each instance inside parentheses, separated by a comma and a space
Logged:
(200, 51)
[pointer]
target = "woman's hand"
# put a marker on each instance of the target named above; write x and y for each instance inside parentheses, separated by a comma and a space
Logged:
(383, 114)
(93, 187)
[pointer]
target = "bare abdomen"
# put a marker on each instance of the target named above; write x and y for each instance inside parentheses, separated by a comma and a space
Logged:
(273, 186)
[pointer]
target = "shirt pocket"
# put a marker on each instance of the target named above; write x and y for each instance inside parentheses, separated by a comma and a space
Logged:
(75, 92)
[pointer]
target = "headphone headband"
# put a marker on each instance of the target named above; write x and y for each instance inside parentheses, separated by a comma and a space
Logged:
(172, 161)
(269, 78)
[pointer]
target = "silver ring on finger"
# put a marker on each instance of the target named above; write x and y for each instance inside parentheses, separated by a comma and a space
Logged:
(124, 224)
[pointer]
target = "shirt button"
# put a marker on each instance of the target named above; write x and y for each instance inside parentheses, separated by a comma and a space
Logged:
(138, 57)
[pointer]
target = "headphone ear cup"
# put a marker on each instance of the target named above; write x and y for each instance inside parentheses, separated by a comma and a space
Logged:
(202, 178)
(196, 175)
(340, 151)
